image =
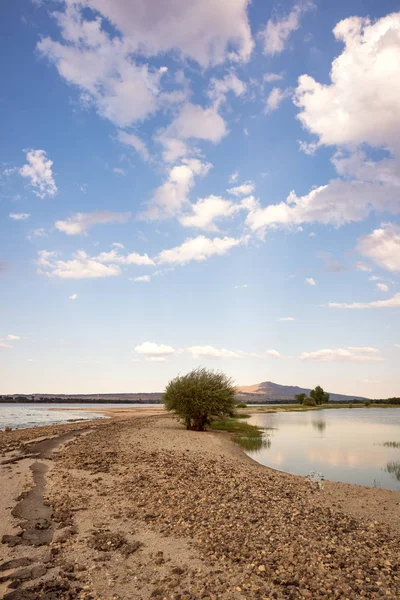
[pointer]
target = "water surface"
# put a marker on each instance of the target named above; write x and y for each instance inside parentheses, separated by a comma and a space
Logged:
(33, 415)
(342, 444)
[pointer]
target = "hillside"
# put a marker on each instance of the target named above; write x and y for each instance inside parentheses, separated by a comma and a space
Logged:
(269, 391)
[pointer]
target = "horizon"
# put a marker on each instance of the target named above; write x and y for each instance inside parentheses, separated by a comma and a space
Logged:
(220, 191)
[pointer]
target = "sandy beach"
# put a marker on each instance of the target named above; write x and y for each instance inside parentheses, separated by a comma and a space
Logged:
(136, 507)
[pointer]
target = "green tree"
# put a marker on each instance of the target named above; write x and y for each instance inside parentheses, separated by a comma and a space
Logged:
(300, 398)
(199, 397)
(319, 395)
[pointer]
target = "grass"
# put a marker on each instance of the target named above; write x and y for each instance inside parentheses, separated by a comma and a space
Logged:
(391, 444)
(249, 437)
(393, 467)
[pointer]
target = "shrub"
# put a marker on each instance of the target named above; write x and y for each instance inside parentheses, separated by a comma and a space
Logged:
(241, 405)
(367, 403)
(319, 395)
(309, 402)
(300, 398)
(199, 397)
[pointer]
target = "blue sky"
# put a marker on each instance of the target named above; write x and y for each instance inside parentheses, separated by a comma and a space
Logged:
(202, 183)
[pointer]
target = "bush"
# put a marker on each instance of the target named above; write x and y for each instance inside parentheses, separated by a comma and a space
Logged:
(319, 395)
(241, 405)
(199, 397)
(300, 398)
(309, 402)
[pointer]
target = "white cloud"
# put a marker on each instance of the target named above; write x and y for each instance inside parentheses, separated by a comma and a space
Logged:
(81, 266)
(337, 203)
(246, 131)
(37, 233)
(197, 122)
(242, 190)
(19, 216)
(118, 245)
(382, 246)
(273, 353)
(207, 31)
(81, 222)
(308, 148)
(241, 287)
(393, 302)
(382, 287)
(207, 210)
(287, 319)
(350, 354)
(172, 196)
(4, 345)
(133, 258)
(198, 249)
(73, 297)
(135, 142)
(155, 352)
(118, 171)
(39, 170)
(211, 352)
(362, 266)
(275, 97)
(233, 178)
(271, 77)
(11, 336)
(219, 88)
(361, 104)
(277, 32)
(143, 279)
(310, 281)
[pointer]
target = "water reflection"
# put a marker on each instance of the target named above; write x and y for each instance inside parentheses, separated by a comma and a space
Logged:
(393, 467)
(319, 424)
(352, 445)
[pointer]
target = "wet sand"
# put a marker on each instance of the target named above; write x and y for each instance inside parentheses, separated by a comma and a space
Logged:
(136, 507)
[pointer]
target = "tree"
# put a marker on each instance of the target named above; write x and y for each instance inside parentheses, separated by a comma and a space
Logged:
(300, 398)
(199, 397)
(319, 395)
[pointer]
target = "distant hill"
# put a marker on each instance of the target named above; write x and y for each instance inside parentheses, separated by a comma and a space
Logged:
(252, 394)
(269, 392)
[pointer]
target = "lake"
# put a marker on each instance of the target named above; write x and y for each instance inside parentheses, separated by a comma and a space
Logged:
(342, 444)
(33, 415)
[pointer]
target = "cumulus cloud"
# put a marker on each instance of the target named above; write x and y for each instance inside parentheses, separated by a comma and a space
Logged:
(211, 352)
(274, 99)
(198, 249)
(361, 104)
(277, 32)
(73, 297)
(143, 279)
(206, 210)
(207, 31)
(271, 77)
(393, 302)
(382, 287)
(362, 266)
(155, 352)
(172, 196)
(350, 354)
(219, 88)
(80, 222)
(382, 246)
(81, 266)
(38, 170)
(197, 122)
(132, 140)
(19, 216)
(337, 203)
(242, 190)
(310, 281)
(133, 258)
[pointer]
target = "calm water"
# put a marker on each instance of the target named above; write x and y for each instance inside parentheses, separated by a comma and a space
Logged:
(342, 444)
(29, 415)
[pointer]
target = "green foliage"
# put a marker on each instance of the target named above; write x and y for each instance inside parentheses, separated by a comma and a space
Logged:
(241, 405)
(300, 398)
(367, 403)
(250, 437)
(319, 395)
(199, 397)
(309, 402)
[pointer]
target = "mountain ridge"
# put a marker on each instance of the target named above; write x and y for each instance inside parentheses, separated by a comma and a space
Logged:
(268, 391)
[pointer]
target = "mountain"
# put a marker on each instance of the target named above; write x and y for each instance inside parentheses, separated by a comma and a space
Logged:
(269, 391)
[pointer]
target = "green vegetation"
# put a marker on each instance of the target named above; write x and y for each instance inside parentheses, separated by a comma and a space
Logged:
(391, 444)
(250, 437)
(319, 395)
(309, 402)
(300, 398)
(200, 397)
(241, 405)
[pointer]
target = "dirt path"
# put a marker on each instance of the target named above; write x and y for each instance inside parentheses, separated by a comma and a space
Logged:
(141, 508)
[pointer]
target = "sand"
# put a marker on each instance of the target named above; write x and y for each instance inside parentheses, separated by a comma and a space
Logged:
(136, 507)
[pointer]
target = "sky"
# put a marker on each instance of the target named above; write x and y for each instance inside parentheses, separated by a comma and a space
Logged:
(194, 184)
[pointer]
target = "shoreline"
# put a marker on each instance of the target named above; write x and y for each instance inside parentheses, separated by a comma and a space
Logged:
(125, 489)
